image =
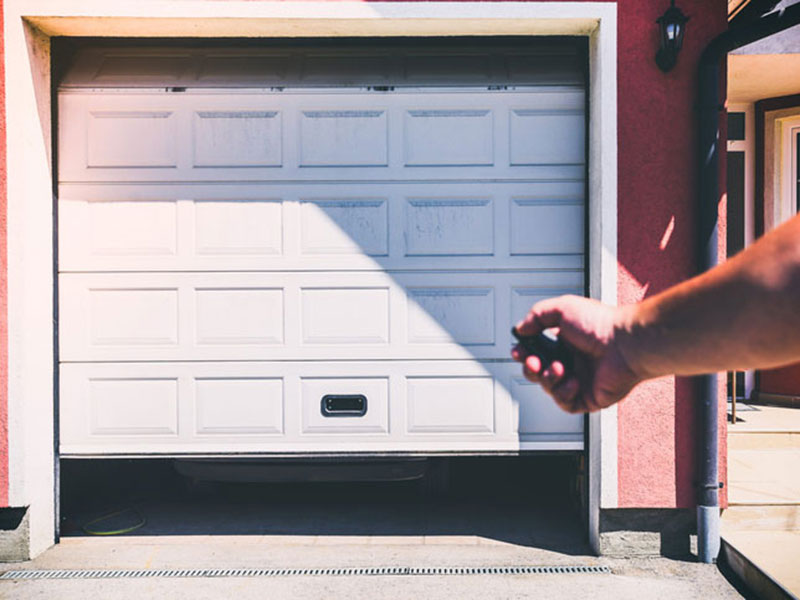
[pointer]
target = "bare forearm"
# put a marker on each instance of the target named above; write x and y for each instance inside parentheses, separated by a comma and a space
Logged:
(743, 314)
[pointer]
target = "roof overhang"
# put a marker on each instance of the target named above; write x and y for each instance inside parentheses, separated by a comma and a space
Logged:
(753, 77)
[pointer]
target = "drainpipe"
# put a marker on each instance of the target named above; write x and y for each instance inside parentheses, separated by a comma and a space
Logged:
(740, 33)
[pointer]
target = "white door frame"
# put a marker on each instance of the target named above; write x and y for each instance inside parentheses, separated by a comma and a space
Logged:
(747, 146)
(29, 24)
(790, 128)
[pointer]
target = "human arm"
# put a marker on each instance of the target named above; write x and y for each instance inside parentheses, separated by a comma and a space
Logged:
(743, 314)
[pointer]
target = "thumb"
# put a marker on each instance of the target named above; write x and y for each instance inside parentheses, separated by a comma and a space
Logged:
(542, 315)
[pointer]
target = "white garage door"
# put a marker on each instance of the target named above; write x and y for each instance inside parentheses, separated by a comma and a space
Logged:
(264, 251)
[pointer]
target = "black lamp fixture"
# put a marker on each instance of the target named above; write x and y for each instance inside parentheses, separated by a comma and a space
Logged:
(672, 26)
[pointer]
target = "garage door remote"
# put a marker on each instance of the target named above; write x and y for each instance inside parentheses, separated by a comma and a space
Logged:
(547, 348)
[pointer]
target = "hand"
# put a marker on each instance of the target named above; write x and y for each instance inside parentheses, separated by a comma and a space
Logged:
(601, 376)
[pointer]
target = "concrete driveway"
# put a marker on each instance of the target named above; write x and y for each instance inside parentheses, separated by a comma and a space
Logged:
(632, 578)
(499, 515)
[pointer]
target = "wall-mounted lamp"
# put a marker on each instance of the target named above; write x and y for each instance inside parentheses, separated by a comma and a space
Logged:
(672, 26)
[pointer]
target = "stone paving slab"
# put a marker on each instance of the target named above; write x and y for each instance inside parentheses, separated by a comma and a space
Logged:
(776, 553)
(780, 517)
(764, 476)
(754, 417)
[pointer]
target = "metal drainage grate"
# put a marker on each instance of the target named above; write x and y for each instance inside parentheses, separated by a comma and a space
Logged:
(350, 571)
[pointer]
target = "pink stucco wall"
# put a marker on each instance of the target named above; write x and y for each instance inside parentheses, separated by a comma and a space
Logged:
(784, 381)
(657, 175)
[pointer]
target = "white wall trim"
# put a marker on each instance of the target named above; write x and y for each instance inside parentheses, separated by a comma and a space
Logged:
(603, 455)
(777, 208)
(788, 152)
(30, 205)
(748, 146)
(30, 278)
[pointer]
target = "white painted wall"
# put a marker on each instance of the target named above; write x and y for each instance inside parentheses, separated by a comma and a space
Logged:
(30, 278)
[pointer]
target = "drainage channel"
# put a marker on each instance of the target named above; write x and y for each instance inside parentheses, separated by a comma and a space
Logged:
(350, 571)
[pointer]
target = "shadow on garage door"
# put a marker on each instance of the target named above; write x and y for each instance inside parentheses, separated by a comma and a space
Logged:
(528, 501)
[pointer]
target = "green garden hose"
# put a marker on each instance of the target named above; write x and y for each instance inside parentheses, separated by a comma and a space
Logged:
(142, 521)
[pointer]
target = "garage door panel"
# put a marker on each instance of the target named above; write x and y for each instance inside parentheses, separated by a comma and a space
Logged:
(546, 225)
(132, 138)
(294, 250)
(344, 138)
(318, 135)
(455, 226)
(236, 227)
(262, 407)
(448, 405)
(143, 406)
(348, 225)
(345, 316)
(125, 228)
(436, 67)
(282, 316)
(441, 314)
(449, 226)
(541, 62)
(547, 137)
(129, 66)
(237, 138)
(375, 420)
(127, 317)
(449, 137)
(332, 67)
(223, 67)
(239, 316)
(238, 406)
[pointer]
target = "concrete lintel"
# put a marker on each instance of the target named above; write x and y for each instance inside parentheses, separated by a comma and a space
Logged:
(170, 27)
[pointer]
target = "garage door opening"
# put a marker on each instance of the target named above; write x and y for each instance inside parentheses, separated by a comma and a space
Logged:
(313, 249)
(531, 502)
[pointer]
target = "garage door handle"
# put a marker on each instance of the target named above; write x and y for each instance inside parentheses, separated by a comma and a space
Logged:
(344, 405)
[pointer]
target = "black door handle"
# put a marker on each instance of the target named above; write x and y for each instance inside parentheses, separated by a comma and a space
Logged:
(344, 405)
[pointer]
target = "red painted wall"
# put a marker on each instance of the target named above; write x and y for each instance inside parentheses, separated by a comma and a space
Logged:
(784, 381)
(657, 197)
(3, 282)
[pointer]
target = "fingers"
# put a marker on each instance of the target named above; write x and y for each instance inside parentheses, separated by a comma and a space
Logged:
(543, 315)
(552, 375)
(582, 323)
(563, 388)
(532, 368)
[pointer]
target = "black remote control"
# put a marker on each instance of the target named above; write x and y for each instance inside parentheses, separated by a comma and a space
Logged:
(545, 347)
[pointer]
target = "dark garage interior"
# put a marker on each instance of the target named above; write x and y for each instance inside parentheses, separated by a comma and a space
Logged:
(532, 501)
